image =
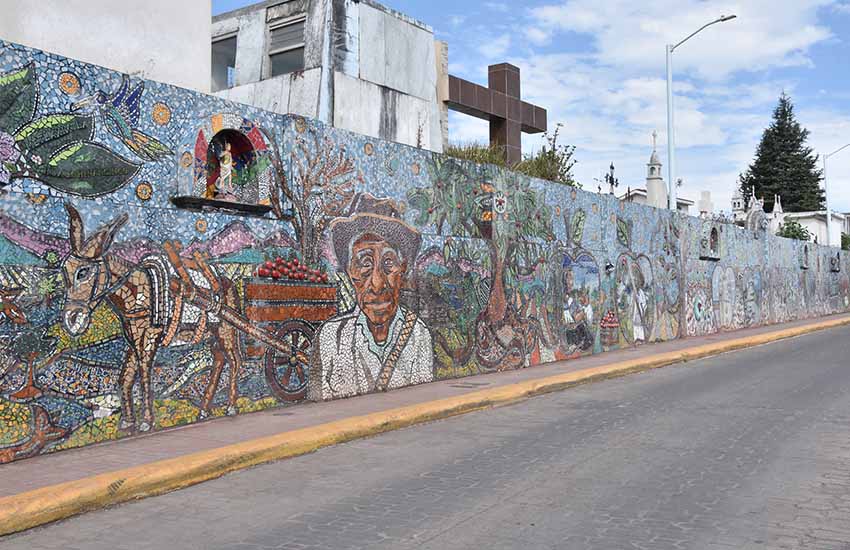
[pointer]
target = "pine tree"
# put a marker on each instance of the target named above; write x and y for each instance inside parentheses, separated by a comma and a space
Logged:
(784, 165)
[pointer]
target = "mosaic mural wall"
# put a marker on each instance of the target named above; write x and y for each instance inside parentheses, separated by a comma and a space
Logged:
(323, 264)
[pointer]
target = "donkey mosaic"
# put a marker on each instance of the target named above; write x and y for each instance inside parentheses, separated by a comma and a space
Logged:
(157, 304)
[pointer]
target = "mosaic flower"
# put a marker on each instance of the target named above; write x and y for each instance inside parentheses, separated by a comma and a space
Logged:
(8, 151)
(9, 154)
(69, 83)
(201, 225)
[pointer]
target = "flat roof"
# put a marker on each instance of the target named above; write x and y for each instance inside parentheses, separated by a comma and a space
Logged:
(265, 4)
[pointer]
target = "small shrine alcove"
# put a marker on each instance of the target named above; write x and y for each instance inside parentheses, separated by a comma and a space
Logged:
(226, 163)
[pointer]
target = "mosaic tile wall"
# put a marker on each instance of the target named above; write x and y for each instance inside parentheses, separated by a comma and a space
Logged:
(376, 266)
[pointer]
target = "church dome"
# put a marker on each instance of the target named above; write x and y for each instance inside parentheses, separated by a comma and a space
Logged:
(653, 159)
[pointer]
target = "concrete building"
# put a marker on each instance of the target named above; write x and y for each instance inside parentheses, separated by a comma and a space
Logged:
(815, 223)
(355, 65)
(156, 39)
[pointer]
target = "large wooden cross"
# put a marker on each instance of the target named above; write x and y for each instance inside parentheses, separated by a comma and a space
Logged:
(501, 104)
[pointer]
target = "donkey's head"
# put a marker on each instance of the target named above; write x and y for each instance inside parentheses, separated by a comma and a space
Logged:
(85, 271)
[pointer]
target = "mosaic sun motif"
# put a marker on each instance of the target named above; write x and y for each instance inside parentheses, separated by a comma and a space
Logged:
(69, 83)
(144, 191)
(161, 114)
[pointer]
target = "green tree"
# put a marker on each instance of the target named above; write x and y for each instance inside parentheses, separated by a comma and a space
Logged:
(845, 241)
(553, 162)
(792, 229)
(784, 165)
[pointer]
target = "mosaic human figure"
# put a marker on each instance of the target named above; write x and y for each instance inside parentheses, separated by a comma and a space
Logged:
(379, 345)
(225, 177)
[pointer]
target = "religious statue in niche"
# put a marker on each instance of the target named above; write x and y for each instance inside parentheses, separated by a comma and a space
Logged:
(224, 185)
(232, 168)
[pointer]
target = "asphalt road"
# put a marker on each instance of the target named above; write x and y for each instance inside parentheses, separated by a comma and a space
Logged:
(748, 450)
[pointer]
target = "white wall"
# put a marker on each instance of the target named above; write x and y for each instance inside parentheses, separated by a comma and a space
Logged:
(399, 54)
(164, 40)
(817, 227)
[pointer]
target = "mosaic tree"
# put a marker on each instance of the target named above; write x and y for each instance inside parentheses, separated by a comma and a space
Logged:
(321, 187)
(461, 203)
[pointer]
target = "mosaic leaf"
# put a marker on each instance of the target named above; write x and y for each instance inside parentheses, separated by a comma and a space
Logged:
(86, 169)
(577, 226)
(623, 232)
(48, 134)
(18, 98)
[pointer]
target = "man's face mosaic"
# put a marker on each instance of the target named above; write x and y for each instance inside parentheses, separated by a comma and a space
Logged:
(377, 271)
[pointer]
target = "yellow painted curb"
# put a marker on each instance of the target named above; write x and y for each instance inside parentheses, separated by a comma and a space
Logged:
(41, 506)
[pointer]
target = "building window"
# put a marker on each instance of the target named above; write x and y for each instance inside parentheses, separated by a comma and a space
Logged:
(286, 48)
(714, 241)
(223, 64)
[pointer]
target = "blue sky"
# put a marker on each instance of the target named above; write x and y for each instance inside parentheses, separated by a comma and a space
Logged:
(597, 66)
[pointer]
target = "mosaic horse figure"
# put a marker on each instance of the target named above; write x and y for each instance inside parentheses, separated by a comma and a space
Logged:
(153, 305)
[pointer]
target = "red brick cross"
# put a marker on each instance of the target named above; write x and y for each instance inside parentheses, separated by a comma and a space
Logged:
(500, 103)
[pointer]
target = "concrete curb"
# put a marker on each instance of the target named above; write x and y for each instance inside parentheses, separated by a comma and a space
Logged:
(56, 502)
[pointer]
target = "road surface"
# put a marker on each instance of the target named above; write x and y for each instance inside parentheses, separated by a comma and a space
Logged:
(748, 450)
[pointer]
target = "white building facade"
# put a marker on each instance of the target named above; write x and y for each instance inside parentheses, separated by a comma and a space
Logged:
(355, 65)
(163, 40)
(814, 221)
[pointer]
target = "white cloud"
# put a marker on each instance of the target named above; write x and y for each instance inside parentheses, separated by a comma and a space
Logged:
(501, 7)
(456, 20)
(767, 33)
(828, 132)
(842, 8)
(538, 35)
(610, 92)
(465, 129)
(495, 47)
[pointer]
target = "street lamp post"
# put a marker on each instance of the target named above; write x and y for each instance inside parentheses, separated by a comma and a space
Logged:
(826, 194)
(671, 145)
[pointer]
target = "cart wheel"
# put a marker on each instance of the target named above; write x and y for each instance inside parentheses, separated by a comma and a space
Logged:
(286, 372)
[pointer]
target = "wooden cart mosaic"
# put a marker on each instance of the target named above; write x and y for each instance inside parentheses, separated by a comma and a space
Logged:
(278, 324)
(289, 311)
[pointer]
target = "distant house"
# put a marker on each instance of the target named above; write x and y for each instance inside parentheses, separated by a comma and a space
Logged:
(815, 223)
(639, 196)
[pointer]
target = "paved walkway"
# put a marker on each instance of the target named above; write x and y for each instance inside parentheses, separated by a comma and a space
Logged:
(50, 469)
(742, 451)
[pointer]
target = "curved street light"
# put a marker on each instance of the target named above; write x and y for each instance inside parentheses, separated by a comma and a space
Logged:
(671, 159)
(826, 193)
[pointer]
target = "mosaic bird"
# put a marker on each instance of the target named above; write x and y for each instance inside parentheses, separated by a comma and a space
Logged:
(120, 113)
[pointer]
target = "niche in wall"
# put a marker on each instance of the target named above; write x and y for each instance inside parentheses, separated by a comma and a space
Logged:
(710, 245)
(228, 166)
